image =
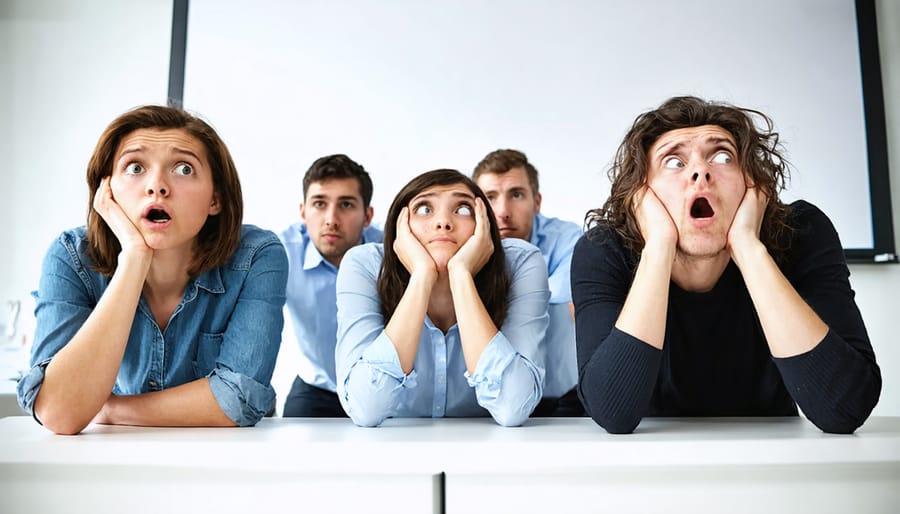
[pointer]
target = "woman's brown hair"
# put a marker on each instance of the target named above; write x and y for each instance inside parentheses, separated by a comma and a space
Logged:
(220, 235)
(492, 281)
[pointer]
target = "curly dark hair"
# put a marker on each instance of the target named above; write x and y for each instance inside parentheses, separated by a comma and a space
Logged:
(492, 281)
(759, 154)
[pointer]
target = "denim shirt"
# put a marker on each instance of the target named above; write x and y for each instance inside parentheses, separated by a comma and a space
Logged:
(506, 383)
(227, 327)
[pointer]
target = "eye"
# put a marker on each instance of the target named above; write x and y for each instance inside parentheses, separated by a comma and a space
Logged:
(518, 195)
(722, 158)
(673, 163)
(464, 210)
(133, 168)
(346, 205)
(422, 209)
(184, 169)
(318, 204)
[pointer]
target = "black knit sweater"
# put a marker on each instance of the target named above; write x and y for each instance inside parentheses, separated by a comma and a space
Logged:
(715, 360)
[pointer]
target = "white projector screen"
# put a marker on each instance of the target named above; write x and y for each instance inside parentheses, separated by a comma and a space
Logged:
(405, 86)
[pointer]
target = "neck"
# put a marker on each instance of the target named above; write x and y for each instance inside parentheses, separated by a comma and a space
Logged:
(168, 274)
(699, 274)
(440, 304)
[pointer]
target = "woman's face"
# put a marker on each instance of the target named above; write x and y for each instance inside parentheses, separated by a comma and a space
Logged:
(442, 219)
(163, 182)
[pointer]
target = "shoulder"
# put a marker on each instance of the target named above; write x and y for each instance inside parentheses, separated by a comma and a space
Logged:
(256, 244)
(601, 246)
(555, 230)
(373, 234)
(72, 244)
(517, 251)
(366, 254)
(813, 238)
(294, 234)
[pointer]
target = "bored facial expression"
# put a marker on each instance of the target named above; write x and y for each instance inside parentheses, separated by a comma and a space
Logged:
(163, 182)
(442, 219)
(696, 175)
(335, 216)
(512, 200)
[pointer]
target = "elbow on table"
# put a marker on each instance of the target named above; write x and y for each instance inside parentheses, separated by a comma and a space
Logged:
(617, 424)
(508, 418)
(62, 423)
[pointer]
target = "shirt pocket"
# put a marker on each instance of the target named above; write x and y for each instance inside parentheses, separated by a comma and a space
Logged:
(208, 349)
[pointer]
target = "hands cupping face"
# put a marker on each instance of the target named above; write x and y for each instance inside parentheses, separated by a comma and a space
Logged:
(747, 221)
(477, 250)
(409, 250)
(653, 218)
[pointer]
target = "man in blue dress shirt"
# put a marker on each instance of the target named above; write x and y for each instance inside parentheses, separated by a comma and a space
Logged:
(511, 184)
(335, 216)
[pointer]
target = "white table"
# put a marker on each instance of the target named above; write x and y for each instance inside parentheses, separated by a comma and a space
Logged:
(461, 465)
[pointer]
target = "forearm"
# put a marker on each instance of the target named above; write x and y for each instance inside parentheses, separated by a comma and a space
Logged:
(405, 326)
(789, 323)
(476, 329)
(190, 404)
(643, 315)
(617, 382)
(81, 375)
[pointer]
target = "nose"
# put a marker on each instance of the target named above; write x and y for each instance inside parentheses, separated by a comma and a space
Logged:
(156, 184)
(499, 207)
(442, 221)
(701, 173)
(331, 215)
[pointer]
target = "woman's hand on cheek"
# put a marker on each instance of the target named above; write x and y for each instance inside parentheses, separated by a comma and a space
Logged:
(477, 250)
(409, 250)
(126, 232)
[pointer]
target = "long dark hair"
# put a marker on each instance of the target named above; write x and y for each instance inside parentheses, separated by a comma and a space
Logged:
(759, 154)
(492, 281)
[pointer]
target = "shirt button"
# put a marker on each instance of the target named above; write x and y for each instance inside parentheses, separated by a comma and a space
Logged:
(153, 383)
(440, 379)
(437, 407)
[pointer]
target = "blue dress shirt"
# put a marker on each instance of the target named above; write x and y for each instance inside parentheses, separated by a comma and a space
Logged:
(227, 327)
(509, 375)
(556, 240)
(311, 303)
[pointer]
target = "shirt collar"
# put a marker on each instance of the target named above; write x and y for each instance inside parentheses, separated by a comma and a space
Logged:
(313, 259)
(211, 281)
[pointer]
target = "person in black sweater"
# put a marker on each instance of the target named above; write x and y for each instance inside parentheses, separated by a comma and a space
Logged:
(698, 292)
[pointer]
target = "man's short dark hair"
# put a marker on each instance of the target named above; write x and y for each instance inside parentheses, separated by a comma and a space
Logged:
(339, 166)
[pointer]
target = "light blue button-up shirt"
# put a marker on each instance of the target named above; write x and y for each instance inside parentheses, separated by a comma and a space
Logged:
(556, 240)
(508, 378)
(227, 327)
(311, 303)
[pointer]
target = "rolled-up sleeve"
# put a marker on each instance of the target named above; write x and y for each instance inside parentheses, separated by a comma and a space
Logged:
(241, 380)
(509, 376)
(369, 375)
(63, 301)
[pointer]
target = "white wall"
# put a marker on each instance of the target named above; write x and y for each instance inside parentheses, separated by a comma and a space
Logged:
(69, 67)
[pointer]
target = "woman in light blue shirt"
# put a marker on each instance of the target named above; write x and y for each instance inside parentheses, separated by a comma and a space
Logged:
(164, 310)
(444, 318)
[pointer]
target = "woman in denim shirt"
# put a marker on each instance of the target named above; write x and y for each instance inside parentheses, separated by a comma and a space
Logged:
(444, 319)
(164, 310)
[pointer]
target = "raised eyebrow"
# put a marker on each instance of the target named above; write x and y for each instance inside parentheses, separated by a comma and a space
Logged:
(185, 151)
(668, 148)
(721, 141)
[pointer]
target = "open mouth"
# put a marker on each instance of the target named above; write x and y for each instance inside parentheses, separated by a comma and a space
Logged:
(158, 216)
(702, 209)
